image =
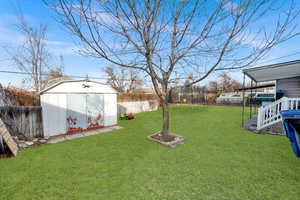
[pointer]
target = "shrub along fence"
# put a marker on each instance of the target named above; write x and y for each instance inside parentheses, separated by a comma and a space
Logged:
(23, 121)
(20, 97)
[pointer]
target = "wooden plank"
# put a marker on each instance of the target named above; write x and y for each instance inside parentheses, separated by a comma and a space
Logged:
(27, 120)
(8, 139)
(30, 124)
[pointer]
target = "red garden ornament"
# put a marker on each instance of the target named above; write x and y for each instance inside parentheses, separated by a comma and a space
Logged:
(127, 116)
(130, 116)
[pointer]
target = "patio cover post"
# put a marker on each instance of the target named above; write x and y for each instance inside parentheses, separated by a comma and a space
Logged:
(250, 101)
(243, 111)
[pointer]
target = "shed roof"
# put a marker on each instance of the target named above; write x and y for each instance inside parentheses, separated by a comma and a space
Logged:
(79, 86)
(275, 71)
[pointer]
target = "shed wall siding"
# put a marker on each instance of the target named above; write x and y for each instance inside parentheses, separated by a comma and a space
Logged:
(290, 85)
(54, 114)
(110, 109)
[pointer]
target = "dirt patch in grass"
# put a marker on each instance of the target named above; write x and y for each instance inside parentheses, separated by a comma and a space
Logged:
(164, 138)
(169, 140)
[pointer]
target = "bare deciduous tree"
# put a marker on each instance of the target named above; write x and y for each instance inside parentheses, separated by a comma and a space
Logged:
(4, 100)
(55, 75)
(123, 80)
(164, 38)
(225, 83)
(32, 56)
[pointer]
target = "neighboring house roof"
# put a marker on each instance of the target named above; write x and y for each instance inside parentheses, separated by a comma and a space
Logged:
(79, 86)
(274, 72)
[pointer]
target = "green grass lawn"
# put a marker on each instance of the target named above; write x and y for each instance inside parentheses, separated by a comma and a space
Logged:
(218, 161)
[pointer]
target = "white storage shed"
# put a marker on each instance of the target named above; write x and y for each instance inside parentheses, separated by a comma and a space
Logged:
(77, 106)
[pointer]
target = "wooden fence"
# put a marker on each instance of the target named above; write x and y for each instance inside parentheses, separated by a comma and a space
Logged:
(23, 121)
(26, 121)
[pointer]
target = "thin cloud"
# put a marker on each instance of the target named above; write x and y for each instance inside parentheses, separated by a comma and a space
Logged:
(10, 37)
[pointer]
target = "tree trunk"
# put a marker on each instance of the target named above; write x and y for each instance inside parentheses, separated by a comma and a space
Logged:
(166, 120)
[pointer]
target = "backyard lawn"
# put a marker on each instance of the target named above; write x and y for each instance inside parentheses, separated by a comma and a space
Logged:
(218, 161)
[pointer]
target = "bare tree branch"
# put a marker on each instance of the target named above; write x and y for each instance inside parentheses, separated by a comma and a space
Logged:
(169, 40)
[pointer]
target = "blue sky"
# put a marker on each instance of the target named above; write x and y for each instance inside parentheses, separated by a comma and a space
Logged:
(60, 42)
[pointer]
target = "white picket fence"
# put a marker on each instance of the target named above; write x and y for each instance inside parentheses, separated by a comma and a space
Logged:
(270, 114)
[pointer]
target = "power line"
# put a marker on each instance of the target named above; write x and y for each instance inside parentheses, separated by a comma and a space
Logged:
(65, 75)
(105, 78)
(46, 74)
(293, 54)
(257, 64)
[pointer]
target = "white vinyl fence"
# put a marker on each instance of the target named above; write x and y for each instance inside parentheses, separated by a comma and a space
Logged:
(137, 106)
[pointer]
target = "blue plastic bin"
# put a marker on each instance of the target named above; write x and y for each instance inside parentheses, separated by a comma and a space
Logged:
(291, 124)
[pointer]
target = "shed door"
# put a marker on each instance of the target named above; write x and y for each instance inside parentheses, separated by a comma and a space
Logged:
(95, 110)
(84, 112)
(76, 113)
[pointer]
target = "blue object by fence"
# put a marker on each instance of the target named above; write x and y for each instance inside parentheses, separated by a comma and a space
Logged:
(291, 124)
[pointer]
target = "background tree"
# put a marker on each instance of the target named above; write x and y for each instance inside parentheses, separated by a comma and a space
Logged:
(161, 37)
(55, 75)
(228, 84)
(123, 80)
(225, 83)
(4, 99)
(213, 86)
(32, 56)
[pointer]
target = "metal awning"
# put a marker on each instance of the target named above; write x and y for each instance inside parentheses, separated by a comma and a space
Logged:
(274, 72)
(257, 87)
